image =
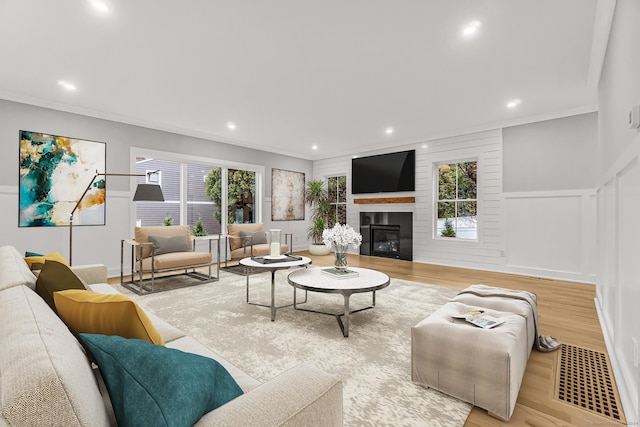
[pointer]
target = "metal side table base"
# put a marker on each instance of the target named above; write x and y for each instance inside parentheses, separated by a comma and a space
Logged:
(344, 324)
(272, 306)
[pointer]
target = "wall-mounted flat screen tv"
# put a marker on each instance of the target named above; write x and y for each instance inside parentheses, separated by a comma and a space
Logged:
(384, 173)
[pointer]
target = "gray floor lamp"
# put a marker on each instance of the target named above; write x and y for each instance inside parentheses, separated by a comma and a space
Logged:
(144, 193)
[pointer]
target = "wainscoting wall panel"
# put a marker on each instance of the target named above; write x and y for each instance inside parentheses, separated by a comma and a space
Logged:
(607, 291)
(618, 285)
(551, 231)
(627, 339)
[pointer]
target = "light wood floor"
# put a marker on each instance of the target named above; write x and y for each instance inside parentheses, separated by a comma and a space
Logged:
(566, 311)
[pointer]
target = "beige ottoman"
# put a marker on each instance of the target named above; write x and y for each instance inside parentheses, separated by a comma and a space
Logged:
(510, 305)
(481, 366)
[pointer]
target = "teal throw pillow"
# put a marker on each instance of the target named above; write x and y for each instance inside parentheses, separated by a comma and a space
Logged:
(158, 386)
(29, 253)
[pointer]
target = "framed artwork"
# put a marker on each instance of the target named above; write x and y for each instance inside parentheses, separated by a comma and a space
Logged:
(287, 195)
(54, 172)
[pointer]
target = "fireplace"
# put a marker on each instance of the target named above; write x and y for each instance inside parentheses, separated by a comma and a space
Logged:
(385, 240)
(387, 234)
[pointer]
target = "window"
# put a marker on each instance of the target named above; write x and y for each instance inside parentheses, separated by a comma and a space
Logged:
(154, 177)
(150, 213)
(240, 195)
(337, 187)
(457, 200)
(199, 205)
(197, 191)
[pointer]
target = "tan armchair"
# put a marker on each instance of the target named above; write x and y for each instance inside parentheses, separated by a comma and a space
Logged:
(249, 240)
(161, 249)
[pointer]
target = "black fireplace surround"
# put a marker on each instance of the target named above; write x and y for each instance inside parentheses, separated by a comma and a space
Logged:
(387, 234)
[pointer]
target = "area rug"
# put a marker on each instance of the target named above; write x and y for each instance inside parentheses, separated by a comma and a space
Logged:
(374, 362)
(171, 282)
(236, 269)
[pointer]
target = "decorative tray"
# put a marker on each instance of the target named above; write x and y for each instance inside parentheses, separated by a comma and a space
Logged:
(274, 260)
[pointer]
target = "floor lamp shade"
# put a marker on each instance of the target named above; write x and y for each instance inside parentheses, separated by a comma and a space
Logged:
(148, 193)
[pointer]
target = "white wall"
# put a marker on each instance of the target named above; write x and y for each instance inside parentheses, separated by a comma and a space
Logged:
(550, 176)
(486, 253)
(551, 234)
(101, 244)
(547, 230)
(552, 155)
(618, 194)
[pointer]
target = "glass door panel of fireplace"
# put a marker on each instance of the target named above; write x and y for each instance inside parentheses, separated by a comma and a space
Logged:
(385, 241)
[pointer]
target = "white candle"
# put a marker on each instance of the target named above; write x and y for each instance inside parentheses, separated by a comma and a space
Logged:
(275, 249)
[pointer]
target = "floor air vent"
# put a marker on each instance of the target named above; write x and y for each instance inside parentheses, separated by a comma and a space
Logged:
(585, 380)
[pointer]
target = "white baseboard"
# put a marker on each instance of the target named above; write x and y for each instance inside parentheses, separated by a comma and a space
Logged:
(629, 408)
(589, 279)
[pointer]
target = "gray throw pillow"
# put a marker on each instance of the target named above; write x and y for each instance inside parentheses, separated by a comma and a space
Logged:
(168, 244)
(259, 237)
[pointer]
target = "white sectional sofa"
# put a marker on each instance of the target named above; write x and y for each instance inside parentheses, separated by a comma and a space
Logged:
(46, 378)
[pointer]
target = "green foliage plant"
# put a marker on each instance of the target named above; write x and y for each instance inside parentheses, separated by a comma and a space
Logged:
(448, 229)
(240, 192)
(457, 181)
(168, 220)
(314, 232)
(317, 197)
(198, 228)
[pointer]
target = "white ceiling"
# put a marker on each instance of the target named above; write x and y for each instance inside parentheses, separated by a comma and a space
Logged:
(294, 73)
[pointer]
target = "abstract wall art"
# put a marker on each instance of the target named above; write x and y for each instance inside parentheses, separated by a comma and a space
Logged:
(287, 195)
(54, 171)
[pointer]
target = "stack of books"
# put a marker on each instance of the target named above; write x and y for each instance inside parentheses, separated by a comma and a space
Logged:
(339, 274)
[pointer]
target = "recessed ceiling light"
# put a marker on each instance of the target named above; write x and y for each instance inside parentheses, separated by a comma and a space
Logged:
(67, 85)
(425, 146)
(314, 147)
(231, 125)
(388, 130)
(513, 103)
(99, 5)
(471, 29)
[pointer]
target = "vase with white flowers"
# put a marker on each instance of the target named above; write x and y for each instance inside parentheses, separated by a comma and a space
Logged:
(340, 237)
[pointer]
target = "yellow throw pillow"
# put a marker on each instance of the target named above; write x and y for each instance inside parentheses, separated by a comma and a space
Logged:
(36, 262)
(106, 314)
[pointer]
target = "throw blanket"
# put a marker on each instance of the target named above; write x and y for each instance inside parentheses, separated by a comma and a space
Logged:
(542, 343)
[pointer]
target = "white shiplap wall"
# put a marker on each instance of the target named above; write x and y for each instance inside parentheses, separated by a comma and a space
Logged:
(510, 225)
(486, 147)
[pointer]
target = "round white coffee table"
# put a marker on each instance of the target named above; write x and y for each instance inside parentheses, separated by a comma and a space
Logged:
(251, 264)
(314, 280)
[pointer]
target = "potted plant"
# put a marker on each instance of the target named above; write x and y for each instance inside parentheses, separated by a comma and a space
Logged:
(317, 197)
(168, 220)
(198, 228)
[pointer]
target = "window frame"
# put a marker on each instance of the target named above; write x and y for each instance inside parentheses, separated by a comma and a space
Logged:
(437, 200)
(336, 202)
(149, 173)
(183, 159)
